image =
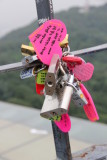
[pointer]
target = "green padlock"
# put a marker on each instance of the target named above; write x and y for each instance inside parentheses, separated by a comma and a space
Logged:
(41, 77)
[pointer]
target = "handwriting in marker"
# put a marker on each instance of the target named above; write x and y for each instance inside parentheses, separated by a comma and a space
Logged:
(46, 39)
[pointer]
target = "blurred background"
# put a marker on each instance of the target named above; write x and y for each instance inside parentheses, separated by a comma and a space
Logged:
(86, 22)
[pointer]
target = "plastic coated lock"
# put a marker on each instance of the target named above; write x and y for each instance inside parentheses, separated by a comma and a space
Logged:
(40, 79)
(71, 59)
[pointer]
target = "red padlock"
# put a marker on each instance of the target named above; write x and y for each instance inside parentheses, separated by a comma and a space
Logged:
(73, 60)
(39, 88)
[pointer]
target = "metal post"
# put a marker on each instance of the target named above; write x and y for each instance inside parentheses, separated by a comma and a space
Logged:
(62, 144)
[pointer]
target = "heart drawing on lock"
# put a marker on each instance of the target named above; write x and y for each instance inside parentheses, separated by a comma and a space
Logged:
(64, 124)
(84, 71)
(46, 39)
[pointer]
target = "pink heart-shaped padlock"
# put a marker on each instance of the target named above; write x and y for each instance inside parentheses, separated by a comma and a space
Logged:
(64, 124)
(46, 39)
(84, 71)
(90, 109)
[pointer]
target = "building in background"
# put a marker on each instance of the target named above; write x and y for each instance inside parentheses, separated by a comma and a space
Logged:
(86, 7)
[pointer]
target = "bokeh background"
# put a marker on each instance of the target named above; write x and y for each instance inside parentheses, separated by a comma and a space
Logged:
(86, 23)
(23, 134)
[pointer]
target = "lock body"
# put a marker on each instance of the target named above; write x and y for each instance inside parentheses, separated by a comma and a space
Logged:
(27, 73)
(51, 106)
(58, 103)
(27, 50)
(52, 75)
(79, 98)
(40, 82)
(29, 59)
(67, 94)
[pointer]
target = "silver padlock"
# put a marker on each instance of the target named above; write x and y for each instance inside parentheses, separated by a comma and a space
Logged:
(27, 73)
(51, 105)
(29, 59)
(78, 96)
(59, 102)
(52, 75)
(67, 95)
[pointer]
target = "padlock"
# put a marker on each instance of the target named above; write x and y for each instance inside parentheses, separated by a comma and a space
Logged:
(41, 76)
(52, 104)
(84, 71)
(29, 59)
(52, 75)
(90, 109)
(40, 82)
(67, 94)
(40, 89)
(72, 60)
(50, 107)
(58, 103)
(78, 96)
(27, 73)
(64, 42)
(27, 50)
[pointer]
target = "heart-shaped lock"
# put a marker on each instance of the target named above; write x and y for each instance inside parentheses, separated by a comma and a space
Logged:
(64, 124)
(84, 71)
(89, 108)
(46, 39)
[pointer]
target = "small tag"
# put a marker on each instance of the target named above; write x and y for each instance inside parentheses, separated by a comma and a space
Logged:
(84, 71)
(64, 124)
(46, 39)
(90, 108)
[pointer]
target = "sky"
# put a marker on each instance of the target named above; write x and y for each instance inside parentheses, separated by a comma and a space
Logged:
(18, 13)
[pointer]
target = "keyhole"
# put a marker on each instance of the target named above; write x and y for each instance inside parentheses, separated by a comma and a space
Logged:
(50, 84)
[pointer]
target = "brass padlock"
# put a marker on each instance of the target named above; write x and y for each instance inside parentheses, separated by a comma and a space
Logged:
(27, 50)
(65, 41)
